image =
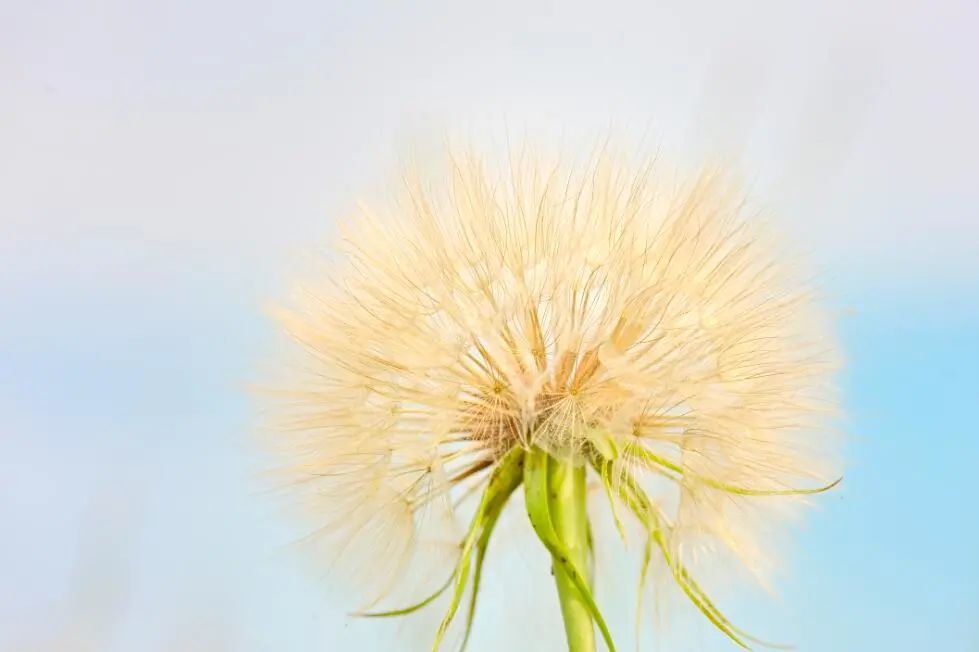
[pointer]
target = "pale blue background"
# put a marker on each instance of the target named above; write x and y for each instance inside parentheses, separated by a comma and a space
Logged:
(163, 167)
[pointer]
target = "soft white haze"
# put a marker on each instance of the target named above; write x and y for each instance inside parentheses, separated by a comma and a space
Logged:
(228, 135)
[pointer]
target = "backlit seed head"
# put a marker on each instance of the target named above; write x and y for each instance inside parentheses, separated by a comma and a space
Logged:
(598, 313)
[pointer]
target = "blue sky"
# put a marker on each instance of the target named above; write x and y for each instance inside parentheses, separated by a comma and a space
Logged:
(894, 566)
(130, 454)
(166, 168)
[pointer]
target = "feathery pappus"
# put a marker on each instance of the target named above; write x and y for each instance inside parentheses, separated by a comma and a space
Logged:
(546, 326)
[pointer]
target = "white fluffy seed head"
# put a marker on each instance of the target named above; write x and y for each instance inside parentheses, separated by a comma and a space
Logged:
(565, 308)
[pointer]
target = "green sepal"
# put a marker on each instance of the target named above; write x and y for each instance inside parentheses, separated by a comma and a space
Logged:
(647, 456)
(406, 610)
(505, 478)
(536, 496)
(635, 498)
(507, 485)
(605, 472)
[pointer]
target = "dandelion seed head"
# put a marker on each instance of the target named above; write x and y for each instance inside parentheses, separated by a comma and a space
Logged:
(598, 306)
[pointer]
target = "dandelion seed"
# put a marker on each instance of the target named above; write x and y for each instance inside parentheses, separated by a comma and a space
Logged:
(545, 328)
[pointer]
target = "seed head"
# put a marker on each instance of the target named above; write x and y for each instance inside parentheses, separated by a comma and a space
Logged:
(638, 325)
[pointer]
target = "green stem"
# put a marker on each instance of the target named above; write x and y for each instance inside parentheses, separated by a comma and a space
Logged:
(566, 500)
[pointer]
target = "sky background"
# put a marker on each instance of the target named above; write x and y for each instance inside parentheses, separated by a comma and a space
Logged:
(163, 167)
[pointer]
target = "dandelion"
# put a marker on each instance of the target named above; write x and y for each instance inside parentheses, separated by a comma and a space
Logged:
(550, 328)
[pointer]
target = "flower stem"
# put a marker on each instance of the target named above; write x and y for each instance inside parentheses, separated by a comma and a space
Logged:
(566, 500)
